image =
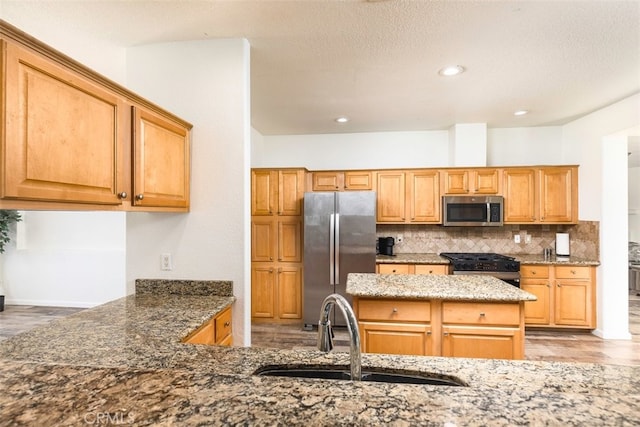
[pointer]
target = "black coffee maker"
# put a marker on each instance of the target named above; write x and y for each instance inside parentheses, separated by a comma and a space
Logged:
(385, 245)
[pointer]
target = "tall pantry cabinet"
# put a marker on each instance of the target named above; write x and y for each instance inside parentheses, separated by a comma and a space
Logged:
(276, 244)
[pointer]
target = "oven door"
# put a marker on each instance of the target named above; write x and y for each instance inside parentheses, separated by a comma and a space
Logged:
(511, 277)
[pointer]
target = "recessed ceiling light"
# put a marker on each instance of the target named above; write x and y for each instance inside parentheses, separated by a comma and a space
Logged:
(451, 70)
(342, 119)
(520, 112)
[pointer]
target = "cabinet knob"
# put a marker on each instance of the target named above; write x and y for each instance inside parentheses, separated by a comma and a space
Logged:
(271, 270)
(446, 334)
(270, 258)
(430, 271)
(559, 285)
(393, 271)
(533, 273)
(428, 332)
(139, 196)
(395, 310)
(227, 324)
(122, 195)
(573, 272)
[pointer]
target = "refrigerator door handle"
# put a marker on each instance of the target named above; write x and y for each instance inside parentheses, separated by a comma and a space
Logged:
(332, 248)
(336, 280)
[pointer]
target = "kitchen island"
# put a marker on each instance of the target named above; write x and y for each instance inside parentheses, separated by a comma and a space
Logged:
(436, 315)
(125, 363)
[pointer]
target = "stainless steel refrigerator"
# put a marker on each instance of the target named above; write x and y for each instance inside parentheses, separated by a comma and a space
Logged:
(339, 238)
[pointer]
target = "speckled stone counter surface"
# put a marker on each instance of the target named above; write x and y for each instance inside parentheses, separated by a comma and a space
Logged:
(440, 287)
(431, 258)
(539, 259)
(123, 363)
(411, 259)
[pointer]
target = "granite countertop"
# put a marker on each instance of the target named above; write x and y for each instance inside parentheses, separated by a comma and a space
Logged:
(433, 258)
(439, 287)
(124, 363)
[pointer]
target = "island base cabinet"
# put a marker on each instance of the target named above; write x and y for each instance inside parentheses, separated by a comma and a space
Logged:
(396, 338)
(485, 343)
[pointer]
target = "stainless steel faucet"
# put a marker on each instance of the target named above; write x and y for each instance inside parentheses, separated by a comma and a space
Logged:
(325, 332)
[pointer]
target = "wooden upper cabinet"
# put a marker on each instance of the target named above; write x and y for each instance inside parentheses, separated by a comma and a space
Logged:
(423, 196)
(471, 181)
(341, 181)
(64, 137)
(558, 194)
(541, 195)
(391, 191)
(71, 139)
(161, 161)
(519, 195)
(277, 192)
(408, 196)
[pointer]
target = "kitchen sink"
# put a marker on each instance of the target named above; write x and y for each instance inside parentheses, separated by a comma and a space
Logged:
(333, 372)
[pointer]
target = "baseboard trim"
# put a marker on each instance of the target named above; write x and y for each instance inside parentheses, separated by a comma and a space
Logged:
(50, 303)
(615, 336)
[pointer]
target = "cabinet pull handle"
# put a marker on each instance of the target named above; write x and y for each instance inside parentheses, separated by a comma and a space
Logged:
(139, 196)
(227, 324)
(446, 334)
(573, 272)
(430, 271)
(428, 332)
(559, 285)
(533, 272)
(122, 195)
(482, 314)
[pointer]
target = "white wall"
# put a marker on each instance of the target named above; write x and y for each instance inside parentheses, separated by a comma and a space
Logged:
(354, 150)
(69, 259)
(634, 204)
(598, 142)
(513, 147)
(207, 83)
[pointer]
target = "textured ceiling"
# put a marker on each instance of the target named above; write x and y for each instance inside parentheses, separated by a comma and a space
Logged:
(377, 62)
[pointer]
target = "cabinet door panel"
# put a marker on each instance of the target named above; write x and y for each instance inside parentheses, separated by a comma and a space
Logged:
(537, 312)
(488, 343)
(290, 192)
(263, 242)
(290, 292)
(358, 181)
(290, 240)
(396, 338)
(456, 181)
(486, 181)
(65, 136)
(262, 291)
(327, 181)
(557, 195)
(263, 192)
(390, 197)
(161, 161)
(424, 195)
(519, 196)
(573, 303)
(223, 325)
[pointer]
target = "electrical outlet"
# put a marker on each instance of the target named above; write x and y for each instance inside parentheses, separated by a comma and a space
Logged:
(527, 238)
(399, 238)
(165, 262)
(516, 238)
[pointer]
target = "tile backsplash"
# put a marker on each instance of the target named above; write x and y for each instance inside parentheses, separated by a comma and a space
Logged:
(583, 237)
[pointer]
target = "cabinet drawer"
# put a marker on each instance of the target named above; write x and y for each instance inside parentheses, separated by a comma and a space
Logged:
(394, 310)
(431, 269)
(534, 271)
(223, 324)
(573, 272)
(480, 313)
(394, 268)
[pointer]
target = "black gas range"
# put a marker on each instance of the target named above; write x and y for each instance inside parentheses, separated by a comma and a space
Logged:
(500, 266)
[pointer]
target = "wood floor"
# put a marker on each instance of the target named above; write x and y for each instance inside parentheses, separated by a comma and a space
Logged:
(573, 346)
(550, 346)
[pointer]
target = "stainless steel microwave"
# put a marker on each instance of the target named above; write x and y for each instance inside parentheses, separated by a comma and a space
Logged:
(479, 211)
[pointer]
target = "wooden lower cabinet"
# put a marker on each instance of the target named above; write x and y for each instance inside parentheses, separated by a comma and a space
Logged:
(441, 328)
(412, 268)
(276, 292)
(396, 338)
(216, 331)
(566, 296)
